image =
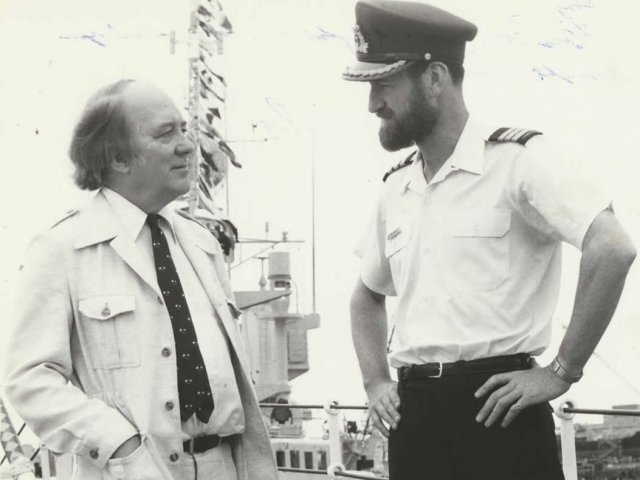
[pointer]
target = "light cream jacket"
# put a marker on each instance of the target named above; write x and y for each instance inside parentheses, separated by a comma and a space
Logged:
(91, 361)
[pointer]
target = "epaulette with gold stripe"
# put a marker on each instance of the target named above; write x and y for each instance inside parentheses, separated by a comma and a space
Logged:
(520, 135)
(402, 164)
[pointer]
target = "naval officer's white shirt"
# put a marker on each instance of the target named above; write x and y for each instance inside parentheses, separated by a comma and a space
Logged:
(228, 415)
(475, 255)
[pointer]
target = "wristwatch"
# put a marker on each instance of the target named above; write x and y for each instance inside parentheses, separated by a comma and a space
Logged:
(556, 368)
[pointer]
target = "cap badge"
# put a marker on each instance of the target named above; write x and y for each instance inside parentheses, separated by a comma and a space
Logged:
(361, 44)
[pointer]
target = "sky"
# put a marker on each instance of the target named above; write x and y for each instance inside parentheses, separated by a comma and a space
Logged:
(565, 68)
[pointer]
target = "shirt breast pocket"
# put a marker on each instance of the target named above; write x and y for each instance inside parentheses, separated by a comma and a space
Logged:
(109, 330)
(398, 237)
(476, 251)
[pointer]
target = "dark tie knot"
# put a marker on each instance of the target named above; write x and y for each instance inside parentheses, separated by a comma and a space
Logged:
(152, 220)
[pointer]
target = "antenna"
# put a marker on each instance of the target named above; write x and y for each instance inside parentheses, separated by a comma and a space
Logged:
(313, 212)
(263, 281)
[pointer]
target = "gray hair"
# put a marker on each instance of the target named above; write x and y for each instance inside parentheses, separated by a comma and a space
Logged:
(101, 135)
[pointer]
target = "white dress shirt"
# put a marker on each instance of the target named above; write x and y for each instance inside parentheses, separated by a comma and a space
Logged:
(228, 416)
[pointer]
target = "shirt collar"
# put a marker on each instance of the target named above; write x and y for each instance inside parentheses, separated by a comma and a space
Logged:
(469, 152)
(468, 155)
(414, 177)
(131, 217)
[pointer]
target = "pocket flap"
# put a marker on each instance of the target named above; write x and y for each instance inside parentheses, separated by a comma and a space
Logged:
(104, 307)
(479, 223)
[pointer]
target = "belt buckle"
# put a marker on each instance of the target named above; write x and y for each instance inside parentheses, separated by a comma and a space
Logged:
(191, 444)
(220, 438)
(439, 370)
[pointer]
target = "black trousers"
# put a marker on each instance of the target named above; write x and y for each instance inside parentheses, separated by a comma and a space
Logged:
(439, 439)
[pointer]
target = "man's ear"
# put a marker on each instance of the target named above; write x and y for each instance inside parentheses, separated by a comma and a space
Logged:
(120, 165)
(436, 76)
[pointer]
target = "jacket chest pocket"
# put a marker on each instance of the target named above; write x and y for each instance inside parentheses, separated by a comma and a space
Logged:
(110, 331)
(476, 248)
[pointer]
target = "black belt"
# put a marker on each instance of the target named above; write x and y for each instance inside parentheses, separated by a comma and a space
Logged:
(203, 443)
(504, 363)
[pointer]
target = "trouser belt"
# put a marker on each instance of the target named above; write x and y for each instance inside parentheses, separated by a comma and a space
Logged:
(504, 363)
(203, 443)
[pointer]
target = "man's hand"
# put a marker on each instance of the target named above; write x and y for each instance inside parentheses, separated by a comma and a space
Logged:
(515, 391)
(128, 447)
(384, 403)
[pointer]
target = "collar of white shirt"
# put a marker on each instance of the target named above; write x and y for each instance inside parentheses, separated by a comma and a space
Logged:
(131, 217)
(468, 156)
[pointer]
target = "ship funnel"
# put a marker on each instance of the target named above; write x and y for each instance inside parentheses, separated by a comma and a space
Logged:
(279, 270)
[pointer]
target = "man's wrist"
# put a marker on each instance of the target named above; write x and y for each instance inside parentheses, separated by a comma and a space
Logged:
(557, 368)
(375, 382)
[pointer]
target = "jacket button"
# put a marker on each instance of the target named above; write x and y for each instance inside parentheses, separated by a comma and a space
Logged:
(168, 405)
(166, 352)
(93, 454)
(174, 457)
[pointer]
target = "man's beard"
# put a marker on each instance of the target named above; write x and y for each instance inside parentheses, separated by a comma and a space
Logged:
(415, 124)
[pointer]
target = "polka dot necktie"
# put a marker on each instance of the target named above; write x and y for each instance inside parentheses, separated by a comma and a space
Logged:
(193, 382)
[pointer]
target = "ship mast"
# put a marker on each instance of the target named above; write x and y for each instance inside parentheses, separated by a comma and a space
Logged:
(205, 103)
(193, 106)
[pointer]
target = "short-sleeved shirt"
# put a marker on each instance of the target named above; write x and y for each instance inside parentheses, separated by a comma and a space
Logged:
(474, 256)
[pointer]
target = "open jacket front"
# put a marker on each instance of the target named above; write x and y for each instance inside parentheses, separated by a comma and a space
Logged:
(89, 313)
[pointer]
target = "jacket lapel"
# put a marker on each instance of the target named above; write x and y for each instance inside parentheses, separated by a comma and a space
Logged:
(98, 224)
(132, 257)
(198, 244)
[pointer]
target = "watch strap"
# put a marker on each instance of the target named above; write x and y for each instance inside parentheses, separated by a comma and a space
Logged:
(562, 373)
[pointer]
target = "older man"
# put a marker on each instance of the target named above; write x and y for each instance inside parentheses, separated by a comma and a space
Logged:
(128, 301)
(468, 235)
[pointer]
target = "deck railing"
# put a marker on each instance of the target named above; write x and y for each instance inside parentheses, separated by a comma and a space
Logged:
(336, 468)
(566, 411)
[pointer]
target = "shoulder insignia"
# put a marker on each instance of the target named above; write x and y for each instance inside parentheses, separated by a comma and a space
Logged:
(67, 215)
(402, 164)
(186, 215)
(520, 135)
